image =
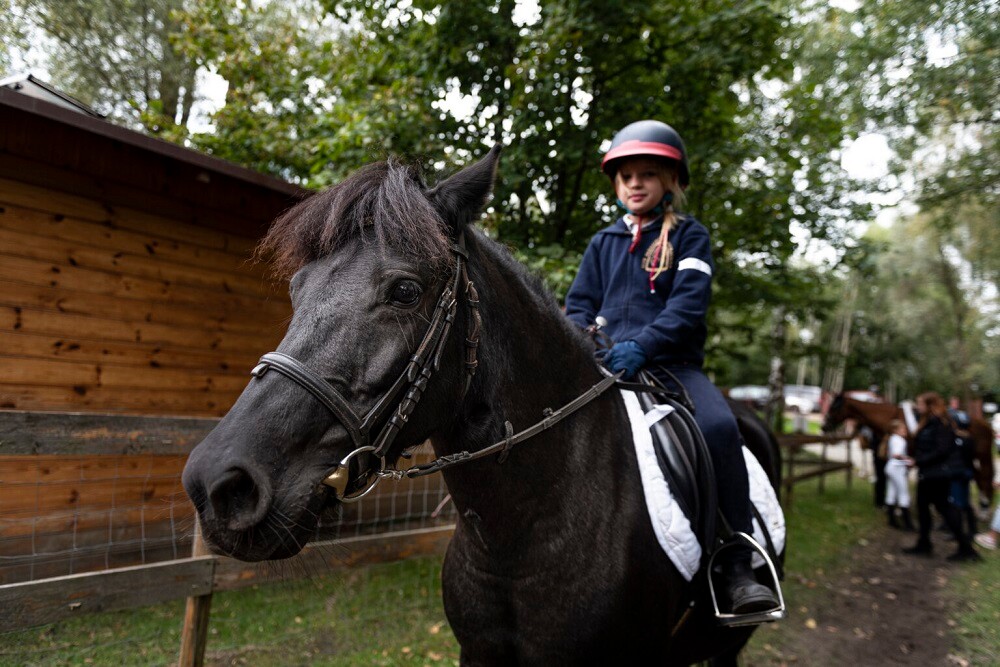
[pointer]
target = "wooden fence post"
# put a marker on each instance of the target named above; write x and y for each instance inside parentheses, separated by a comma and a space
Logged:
(194, 635)
(822, 459)
(789, 477)
(849, 470)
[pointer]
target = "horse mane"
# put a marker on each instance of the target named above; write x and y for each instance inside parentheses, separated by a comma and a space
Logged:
(382, 202)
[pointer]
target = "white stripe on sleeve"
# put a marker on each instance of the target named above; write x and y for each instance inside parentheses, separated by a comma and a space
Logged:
(694, 263)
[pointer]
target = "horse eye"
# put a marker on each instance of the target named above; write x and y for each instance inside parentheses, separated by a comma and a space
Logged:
(406, 293)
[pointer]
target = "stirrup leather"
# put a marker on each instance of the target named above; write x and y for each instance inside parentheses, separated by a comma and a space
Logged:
(728, 619)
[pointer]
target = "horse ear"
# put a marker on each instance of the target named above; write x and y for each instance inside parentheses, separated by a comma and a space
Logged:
(459, 198)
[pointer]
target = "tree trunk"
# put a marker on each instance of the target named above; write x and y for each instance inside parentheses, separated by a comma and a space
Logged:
(776, 381)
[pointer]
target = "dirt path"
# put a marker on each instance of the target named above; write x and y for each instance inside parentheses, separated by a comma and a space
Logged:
(881, 608)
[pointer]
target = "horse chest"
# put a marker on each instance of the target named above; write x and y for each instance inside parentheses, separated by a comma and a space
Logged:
(577, 605)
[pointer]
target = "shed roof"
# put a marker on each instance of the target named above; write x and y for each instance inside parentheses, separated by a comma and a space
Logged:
(30, 85)
(52, 145)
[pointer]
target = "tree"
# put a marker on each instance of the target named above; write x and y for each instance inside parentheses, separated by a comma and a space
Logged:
(553, 88)
(12, 39)
(119, 58)
(927, 74)
(922, 319)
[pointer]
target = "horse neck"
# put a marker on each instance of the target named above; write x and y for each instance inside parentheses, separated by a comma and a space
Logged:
(874, 415)
(531, 358)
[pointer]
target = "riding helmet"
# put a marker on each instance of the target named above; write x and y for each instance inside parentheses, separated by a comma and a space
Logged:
(649, 138)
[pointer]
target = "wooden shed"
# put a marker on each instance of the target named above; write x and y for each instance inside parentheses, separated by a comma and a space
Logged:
(130, 315)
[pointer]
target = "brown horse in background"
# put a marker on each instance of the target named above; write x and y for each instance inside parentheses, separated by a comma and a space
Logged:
(877, 416)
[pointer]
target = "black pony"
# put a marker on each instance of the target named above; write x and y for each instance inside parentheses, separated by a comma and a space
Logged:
(553, 560)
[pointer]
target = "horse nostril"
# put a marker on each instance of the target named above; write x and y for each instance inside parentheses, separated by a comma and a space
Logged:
(238, 499)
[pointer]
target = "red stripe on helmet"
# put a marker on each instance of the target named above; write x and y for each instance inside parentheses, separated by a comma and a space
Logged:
(636, 147)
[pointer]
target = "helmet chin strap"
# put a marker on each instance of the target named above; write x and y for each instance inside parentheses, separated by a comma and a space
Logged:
(657, 210)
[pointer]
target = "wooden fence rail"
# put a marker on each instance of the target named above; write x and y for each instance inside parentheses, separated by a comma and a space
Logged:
(792, 444)
(44, 601)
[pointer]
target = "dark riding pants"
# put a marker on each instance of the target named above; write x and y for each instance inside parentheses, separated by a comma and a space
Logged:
(935, 492)
(725, 443)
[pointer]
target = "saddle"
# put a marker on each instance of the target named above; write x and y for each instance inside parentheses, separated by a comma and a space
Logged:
(684, 461)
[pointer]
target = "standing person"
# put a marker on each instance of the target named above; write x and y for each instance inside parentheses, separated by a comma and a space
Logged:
(960, 494)
(650, 276)
(991, 538)
(938, 460)
(897, 492)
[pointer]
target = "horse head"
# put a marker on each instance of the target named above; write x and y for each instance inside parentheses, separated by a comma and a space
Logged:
(375, 276)
(835, 414)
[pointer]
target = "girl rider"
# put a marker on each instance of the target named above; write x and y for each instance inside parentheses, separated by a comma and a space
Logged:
(650, 276)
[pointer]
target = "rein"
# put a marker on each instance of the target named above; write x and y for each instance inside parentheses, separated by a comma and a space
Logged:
(552, 417)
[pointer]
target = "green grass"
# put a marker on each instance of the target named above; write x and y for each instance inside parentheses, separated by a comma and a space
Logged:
(975, 618)
(332, 620)
(814, 424)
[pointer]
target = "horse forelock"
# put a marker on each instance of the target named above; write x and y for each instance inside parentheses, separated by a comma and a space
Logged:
(383, 203)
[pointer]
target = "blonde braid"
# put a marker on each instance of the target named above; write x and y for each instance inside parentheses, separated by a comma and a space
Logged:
(663, 255)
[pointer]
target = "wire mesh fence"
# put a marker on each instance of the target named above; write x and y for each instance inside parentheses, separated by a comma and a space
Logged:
(92, 516)
(63, 515)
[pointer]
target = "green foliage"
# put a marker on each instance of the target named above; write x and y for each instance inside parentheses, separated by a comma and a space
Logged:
(922, 325)
(12, 38)
(931, 81)
(556, 265)
(315, 91)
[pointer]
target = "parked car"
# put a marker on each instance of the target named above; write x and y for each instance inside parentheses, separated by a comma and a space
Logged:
(754, 395)
(803, 398)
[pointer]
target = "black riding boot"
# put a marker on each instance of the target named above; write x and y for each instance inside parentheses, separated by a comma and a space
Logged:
(907, 519)
(921, 548)
(890, 512)
(970, 517)
(746, 595)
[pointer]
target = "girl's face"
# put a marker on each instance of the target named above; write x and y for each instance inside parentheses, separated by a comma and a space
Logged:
(921, 406)
(639, 184)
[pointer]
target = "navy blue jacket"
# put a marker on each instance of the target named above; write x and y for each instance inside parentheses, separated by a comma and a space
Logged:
(669, 323)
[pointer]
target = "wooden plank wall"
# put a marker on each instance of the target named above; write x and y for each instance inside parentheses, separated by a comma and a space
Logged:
(109, 310)
(114, 310)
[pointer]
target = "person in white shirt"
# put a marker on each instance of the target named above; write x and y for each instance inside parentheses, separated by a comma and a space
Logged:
(897, 489)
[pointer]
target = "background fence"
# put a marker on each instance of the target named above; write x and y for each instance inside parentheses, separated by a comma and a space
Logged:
(800, 466)
(93, 518)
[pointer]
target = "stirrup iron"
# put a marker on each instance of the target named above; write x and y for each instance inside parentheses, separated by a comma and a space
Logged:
(729, 619)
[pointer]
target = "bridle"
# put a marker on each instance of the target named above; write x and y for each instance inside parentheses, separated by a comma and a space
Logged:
(424, 361)
(413, 380)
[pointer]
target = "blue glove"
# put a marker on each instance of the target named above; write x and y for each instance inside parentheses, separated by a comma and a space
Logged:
(628, 356)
